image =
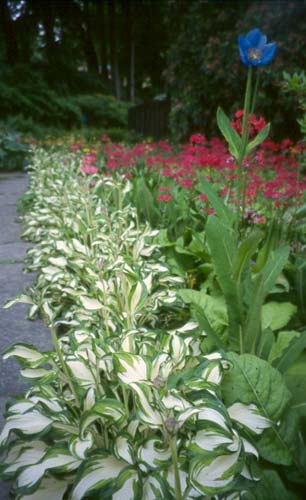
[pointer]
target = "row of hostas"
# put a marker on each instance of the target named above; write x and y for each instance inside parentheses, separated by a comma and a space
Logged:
(129, 404)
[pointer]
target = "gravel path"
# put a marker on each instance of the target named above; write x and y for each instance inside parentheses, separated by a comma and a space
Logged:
(13, 323)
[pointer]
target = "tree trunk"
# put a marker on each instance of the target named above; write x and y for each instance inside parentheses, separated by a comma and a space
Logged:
(114, 49)
(89, 48)
(103, 39)
(10, 39)
(130, 48)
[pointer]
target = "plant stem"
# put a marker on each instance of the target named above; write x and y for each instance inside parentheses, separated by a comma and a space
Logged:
(244, 141)
(177, 482)
(63, 364)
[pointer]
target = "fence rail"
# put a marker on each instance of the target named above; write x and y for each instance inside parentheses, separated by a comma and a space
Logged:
(150, 119)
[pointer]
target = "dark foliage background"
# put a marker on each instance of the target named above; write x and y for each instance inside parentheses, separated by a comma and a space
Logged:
(74, 63)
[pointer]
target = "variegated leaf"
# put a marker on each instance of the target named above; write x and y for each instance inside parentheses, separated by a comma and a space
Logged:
(49, 489)
(30, 423)
(131, 367)
(26, 353)
(90, 304)
(249, 417)
(97, 472)
(110, 409)
(57, 459)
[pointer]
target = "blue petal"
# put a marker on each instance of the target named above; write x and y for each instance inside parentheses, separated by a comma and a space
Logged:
(255, 37)
(243, 43)
(244, 57)
(262, 42)
(268, 53)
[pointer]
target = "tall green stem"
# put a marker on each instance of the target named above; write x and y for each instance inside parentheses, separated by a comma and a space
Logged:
(63, 364)
(244, 141)
(177, 481)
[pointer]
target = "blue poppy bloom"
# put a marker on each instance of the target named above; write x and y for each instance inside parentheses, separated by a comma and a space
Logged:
(254, 49)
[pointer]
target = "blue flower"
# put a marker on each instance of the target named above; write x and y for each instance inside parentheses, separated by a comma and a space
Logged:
(254, 49)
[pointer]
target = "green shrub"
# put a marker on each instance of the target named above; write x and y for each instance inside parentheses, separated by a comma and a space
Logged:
(13, 151)
(102, 110)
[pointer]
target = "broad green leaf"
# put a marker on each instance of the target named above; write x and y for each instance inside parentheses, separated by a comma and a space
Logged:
(145, 203)
(270, 487)
(276, 315)
(97, 472)
(254, 381)
(263, 284)
(222, 211)
(222, 243)
(295, 377)
(277, 445)
(246, 250)
(212, 307)
(261, 136)
(229, 133)
(287, 348)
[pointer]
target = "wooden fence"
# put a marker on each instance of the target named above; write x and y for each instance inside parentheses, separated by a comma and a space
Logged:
(150, 119)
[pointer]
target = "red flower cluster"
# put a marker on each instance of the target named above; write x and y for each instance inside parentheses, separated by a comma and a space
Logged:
(255, 124)
(273, 177)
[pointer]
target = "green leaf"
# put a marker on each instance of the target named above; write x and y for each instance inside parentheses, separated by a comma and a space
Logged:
(276, 315)
(223, 212)
(287, 348)
(263, 283)
(246, 250)
(253, 380)
(212, 307)
(223, 243)
(295, 378)
(270, 487)
(145, 203)
(229, 133)
(261, 136)
(277, 444)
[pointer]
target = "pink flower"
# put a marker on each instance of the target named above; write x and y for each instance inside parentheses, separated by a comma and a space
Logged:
(164, 197)
(88, 169)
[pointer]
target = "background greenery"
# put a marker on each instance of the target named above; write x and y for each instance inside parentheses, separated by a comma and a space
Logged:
(82, 63)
